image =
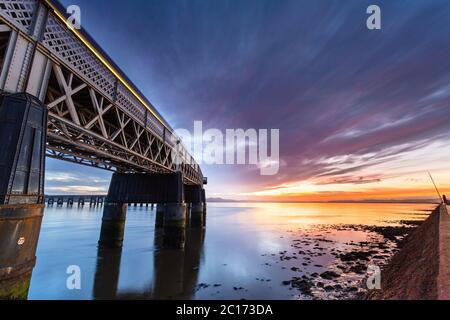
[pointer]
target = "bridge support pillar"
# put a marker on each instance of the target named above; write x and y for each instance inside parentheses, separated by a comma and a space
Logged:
(204, 206)
(23, 126)
(113, 225)
(197, 215)
(175, 215)
(20, 226)
(195, 196)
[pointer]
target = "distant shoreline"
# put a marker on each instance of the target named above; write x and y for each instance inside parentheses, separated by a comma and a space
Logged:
(422, 201)
(334, 202)
(219, 200)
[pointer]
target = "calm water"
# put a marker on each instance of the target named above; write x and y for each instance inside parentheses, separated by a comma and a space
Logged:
(245, 251)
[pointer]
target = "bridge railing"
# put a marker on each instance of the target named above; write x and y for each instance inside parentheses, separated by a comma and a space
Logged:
(19, 12)
(63, 43)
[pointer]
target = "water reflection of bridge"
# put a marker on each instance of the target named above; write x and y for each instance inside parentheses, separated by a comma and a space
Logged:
(175, 271)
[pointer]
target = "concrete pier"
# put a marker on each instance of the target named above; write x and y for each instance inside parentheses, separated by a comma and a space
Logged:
(195, 197)
(197, 215)
(23, 123)
(167, 190)
(20, 226)
(174, 225)
(204, 206)
(175, 215)
(113, 225)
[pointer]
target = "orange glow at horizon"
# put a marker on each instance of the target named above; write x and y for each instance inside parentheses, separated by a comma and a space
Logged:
(382, 194)
(403, 177)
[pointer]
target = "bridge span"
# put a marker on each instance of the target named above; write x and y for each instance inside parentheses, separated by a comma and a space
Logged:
(61, 96)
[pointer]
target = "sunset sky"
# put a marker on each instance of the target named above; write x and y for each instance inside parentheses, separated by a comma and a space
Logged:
(362, 114)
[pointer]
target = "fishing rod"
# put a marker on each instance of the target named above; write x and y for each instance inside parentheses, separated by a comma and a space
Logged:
(432, 180)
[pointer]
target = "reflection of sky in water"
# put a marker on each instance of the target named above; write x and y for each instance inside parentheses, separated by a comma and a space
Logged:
(237, 250)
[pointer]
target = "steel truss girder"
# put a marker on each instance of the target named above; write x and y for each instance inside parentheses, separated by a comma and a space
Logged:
(78, 127)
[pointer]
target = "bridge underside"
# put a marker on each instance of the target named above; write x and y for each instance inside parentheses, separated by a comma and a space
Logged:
(85, 128)
(94, 119)
(153, 188)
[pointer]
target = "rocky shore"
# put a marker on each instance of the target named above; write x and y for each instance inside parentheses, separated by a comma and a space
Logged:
(332, 261)
(344, 274)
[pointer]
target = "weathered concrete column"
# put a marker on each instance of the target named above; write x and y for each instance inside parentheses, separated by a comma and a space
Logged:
(20, 226)
(166, 189)
(175, 215)
(204, 214)
(23, 126)
(204, 206)
(197, 215)
(113, 225)
(174, 225)
(194, 195)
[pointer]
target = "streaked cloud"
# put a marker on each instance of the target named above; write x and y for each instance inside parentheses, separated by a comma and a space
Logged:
(360, 113)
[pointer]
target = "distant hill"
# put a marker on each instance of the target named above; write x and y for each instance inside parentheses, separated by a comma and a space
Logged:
(87, 197)
(412, 201)
(220, 200)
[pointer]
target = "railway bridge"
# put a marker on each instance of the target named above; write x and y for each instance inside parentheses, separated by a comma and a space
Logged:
(61, 96)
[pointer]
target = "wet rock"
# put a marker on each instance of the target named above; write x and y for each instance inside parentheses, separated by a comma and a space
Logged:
(328, 288)
(329, 275)
(359, 269)
(355, 255)
(201, 286)
(303, 285)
